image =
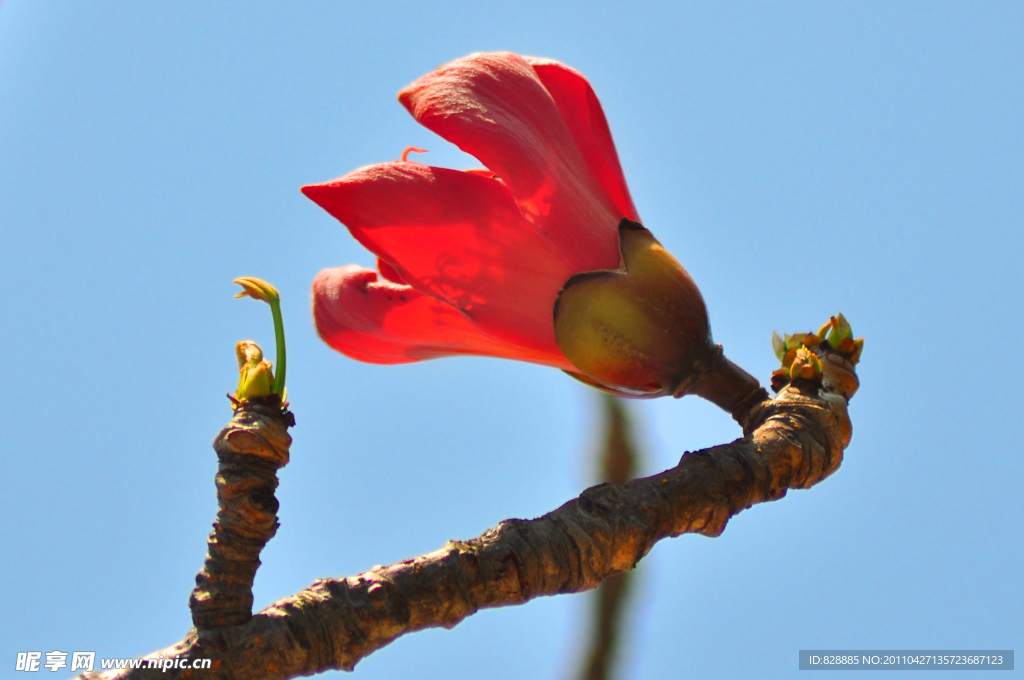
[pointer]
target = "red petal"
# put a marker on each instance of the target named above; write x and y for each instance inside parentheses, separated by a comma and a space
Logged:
(388, 271)
(386, 323)
(495, 107)
(458, 237)
(583, 115)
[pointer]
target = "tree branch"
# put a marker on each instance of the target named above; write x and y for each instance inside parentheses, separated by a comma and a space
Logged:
(791, 442)
(251, 449)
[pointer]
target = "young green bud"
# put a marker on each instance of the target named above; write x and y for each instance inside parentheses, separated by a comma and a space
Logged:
(255, 377)
(258, 289)
(805, 365)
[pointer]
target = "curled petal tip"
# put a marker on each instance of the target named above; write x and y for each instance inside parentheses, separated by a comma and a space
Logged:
(257, 289)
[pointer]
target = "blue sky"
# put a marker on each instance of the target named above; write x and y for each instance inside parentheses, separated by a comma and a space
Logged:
(799, 159)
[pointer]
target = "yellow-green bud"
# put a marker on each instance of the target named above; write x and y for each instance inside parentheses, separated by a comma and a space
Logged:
(805, 365)
(255, 376)
(258, 289)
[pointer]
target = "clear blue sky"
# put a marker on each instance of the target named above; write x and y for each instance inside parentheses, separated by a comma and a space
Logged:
(799, 159)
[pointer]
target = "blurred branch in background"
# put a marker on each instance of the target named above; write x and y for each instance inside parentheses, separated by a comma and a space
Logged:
(617, 463)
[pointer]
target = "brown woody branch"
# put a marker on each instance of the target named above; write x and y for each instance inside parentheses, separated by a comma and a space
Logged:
(791, 442)
(250, 450)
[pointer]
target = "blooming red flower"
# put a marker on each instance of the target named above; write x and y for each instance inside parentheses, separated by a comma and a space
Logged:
(472, 262)
(540, 257)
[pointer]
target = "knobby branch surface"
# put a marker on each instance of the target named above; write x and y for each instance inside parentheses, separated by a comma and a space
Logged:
(250, 451)
(791, 442)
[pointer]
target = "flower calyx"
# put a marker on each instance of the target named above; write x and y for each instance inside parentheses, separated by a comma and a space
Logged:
(641, 330)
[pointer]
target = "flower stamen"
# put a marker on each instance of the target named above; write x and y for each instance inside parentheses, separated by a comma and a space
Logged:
(408, 149)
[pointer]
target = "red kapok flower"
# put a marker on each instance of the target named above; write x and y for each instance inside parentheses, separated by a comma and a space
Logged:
(473, 262)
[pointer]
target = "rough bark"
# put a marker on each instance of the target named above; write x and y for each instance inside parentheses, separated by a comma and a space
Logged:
(791, 442)
(250, 450)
